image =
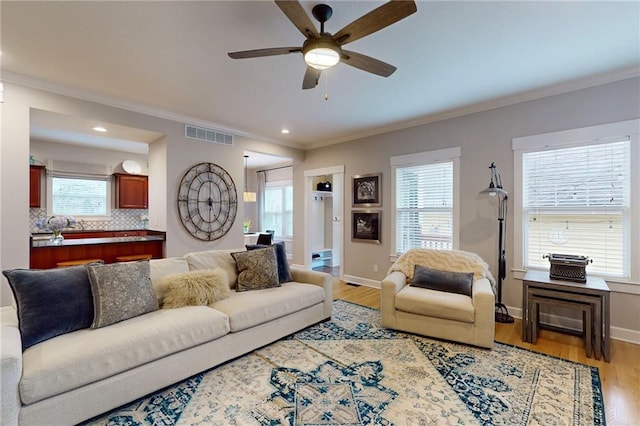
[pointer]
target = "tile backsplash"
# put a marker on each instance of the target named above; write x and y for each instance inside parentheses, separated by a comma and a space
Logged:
(121, 219)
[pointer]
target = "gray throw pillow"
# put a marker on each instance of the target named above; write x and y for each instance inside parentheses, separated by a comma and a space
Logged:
(433, 279)
(50, 302)
(257, 269)
(121, 291)
(284, 272)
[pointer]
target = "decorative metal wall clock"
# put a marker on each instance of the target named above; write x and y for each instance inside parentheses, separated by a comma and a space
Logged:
(207, 201)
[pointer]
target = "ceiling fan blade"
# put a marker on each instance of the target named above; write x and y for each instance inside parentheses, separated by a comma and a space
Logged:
(377, 19)
(311, 78)
(298, 17)
(367, 63)
(263, 52)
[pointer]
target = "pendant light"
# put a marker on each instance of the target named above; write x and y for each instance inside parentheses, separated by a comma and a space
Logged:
(249, 197)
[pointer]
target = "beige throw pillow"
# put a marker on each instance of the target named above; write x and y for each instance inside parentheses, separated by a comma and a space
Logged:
(199, 287)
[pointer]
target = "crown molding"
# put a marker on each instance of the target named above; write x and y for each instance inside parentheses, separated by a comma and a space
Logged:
(85, 95)
(555, 89)
(543, 92)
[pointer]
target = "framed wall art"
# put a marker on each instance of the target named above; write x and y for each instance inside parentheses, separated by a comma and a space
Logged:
(367, 190)
(365, 226)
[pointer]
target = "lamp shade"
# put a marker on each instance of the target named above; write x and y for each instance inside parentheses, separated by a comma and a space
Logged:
(321, 53)
(249, 197)
(321, 58)
(493, 191)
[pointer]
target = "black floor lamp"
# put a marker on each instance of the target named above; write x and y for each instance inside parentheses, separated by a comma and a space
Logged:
(495, 190)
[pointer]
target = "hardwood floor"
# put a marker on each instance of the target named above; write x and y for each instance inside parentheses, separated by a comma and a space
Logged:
(620, 378)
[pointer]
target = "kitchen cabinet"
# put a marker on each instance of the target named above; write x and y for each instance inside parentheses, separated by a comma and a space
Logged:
(35, 181)
(132, 191)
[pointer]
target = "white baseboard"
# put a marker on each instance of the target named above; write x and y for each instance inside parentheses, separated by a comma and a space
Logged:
(362, 281)
(617, 333)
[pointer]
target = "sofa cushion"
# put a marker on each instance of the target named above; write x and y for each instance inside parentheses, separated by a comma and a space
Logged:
(257, 269)
(199, 287)
(212, 259)
(284, 272)
(433, 303)
(449, 281)
(160, 268)
(86, 356)
(51, 302)
(120, 291)
(250, 308)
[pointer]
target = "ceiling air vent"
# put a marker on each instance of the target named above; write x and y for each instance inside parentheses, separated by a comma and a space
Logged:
(207, 135)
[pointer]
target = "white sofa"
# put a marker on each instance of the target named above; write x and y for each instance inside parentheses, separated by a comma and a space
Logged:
(78, 375)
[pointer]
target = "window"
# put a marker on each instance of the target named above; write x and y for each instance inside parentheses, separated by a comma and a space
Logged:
(578, 198)
(278, 208)
(425, 200)
(78, 189)
(78, 197)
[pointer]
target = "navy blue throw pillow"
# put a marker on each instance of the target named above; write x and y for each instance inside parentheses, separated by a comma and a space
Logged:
(284, 273)
(51, 302)
(433, 279)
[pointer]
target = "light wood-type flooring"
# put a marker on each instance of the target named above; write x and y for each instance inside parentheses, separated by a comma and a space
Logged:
(620, 378)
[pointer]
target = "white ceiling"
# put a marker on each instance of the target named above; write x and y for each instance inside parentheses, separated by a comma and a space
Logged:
(451, 56)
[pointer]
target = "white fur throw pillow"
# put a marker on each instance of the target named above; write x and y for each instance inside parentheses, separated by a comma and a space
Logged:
(199, 287)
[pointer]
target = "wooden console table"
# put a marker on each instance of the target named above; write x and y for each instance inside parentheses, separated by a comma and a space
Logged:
(538, 287)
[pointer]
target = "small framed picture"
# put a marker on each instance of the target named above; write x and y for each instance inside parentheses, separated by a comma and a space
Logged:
(367, 190)
(365, 226)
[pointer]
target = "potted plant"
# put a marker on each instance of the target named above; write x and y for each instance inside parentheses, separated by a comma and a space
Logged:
(246, 225)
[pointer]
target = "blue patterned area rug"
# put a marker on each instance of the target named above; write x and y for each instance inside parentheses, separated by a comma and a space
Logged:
(350, 371)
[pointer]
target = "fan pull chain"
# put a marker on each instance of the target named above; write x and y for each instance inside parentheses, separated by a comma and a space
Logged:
(326, 86)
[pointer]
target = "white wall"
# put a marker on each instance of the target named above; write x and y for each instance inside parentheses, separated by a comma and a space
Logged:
(484, 137)
(169, 158)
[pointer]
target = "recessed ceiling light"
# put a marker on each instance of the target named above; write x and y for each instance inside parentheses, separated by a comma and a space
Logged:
(100, 129)
(284, 131)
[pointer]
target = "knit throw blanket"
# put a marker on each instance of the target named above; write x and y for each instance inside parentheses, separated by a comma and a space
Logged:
(443, 260)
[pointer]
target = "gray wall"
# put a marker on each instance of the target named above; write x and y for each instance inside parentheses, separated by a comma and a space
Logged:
(484, 137)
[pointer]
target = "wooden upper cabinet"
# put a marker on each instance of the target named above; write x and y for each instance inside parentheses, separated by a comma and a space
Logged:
(35, 174)
(132, 191)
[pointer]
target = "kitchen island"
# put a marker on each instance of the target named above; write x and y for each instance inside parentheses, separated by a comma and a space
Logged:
(44, 254)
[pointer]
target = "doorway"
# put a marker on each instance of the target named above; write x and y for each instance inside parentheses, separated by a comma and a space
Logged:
(324, 214)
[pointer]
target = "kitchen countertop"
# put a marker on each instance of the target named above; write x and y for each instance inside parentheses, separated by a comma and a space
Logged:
(92, 241)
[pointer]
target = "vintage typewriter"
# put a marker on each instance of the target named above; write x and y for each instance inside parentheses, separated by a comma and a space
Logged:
(568, 267)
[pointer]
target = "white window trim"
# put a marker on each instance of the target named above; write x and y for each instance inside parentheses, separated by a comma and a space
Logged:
(576, 137)
(108, 190)
(279, 184)
(420, 158)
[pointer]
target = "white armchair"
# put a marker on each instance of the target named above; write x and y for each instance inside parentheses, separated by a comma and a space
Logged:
(440, 314)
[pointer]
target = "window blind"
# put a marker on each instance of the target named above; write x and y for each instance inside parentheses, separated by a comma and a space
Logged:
(576, 201)
(424, 206)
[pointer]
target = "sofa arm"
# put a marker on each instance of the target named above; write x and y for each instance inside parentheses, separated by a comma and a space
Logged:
(484, 305)
(391, 285)
(321, 279)
(11, 355)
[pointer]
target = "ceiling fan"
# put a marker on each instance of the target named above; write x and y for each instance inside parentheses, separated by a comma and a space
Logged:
(322, 50)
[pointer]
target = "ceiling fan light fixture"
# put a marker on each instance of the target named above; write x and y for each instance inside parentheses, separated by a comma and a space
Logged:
(322, 58)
